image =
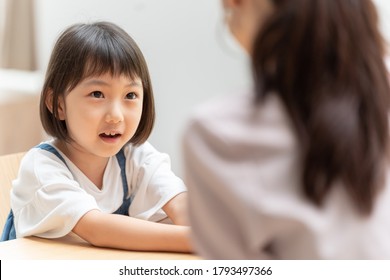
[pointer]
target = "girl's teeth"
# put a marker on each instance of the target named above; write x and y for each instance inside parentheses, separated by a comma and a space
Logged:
(109, 134)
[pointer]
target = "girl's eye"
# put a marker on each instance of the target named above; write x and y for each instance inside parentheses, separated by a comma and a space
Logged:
(131, 95)
(96, 94)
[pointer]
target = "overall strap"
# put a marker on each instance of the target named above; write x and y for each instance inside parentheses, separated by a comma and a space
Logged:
(124, 208)
(120, 156)
(9, 232)
(51, 149)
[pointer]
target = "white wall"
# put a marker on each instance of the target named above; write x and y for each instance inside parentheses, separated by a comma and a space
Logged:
(181, 40)
(383, 7)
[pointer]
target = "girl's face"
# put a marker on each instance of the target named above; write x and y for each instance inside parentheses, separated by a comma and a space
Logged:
(102, 114)
(245, 17)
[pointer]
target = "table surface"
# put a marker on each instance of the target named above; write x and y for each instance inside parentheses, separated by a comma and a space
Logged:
(72, 247)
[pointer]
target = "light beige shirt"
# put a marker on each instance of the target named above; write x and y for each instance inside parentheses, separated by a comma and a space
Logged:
(243, 174)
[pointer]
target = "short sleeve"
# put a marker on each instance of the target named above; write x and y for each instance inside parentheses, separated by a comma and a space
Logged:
(153, 183)
(45, 199)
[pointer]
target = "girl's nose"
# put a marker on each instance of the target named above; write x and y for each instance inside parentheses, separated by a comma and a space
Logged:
(114, 113)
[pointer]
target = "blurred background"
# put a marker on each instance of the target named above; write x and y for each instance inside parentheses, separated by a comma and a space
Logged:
(190, 54)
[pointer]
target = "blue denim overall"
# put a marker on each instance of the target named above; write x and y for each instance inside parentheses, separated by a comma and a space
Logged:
(9, 227)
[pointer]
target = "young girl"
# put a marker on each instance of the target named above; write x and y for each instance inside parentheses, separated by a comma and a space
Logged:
(298, 168)
(99, 177)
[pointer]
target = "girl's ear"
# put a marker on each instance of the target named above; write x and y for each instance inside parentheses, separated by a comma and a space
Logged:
(60, 105)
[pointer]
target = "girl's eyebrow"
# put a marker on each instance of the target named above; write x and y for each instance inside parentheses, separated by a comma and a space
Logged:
(99, 82)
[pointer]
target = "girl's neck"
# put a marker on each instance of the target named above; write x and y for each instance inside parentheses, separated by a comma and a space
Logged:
(92, 166)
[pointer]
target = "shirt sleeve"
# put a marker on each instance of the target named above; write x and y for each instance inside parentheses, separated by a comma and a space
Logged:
(45, 199)
(153, 183)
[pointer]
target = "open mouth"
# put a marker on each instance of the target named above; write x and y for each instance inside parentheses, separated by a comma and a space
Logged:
(110, 135)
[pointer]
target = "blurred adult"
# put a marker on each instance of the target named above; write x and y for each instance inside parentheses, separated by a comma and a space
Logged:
(297, 168)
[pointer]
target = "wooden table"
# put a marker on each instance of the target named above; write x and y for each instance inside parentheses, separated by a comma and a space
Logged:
(71, 247)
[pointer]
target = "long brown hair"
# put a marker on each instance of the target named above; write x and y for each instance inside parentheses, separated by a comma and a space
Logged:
(325, 59)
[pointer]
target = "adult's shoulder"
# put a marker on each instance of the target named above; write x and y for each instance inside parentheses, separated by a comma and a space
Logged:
(212, 116)
(222, 106)
(237, 119)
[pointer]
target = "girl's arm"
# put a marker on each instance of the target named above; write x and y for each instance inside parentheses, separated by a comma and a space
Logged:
(124, 232)
(176, 209)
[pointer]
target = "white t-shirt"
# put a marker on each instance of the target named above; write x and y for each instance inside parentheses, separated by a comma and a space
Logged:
(48, 197)
(242, 170)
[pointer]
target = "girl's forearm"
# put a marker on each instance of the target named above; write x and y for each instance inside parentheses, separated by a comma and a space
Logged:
(123, 232)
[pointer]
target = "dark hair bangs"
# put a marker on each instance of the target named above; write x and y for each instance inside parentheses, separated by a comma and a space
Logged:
(110, 57)
(105, 52)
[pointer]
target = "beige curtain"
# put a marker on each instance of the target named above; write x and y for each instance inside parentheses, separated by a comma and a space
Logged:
(17, 34)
